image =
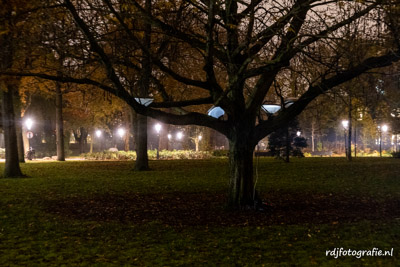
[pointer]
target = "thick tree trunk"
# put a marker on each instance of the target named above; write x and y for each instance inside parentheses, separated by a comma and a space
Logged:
(12, 168)
(287, 147)
(59, 124)
(312, 137)
(142, 161)
(348, 155)
(91, 142)
(82, 139)
(242, 191)
(20, 139)
(127, 137)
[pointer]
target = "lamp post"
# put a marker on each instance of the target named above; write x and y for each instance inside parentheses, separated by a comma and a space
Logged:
(169, 140)
(158, 129)
(29, 124)
(345, 124)
(197, 141)
(179, 135)
(298, 133)
(98, 135)
(384, 128)
(29, 135)
(121, 132)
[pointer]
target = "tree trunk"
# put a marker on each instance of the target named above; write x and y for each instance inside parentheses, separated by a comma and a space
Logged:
(349, 156)
(18, 130)
(287, 156)
(12, 168)
(91, 142)
(242, 192)
(59, 124)
(127, 136)
(312, 137)
(142, 161)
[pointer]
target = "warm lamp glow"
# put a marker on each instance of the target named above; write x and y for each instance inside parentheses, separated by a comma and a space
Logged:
(345, 124)
(29, 123)
(121, 132)
(158, 128)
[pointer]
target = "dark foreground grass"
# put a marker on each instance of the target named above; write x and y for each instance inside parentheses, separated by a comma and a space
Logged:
(103, 213)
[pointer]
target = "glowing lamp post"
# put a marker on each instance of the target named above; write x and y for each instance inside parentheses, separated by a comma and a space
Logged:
(197, 141)
(29, 134)
(169, 140)
(98, 134)
(121, 132)
(345, 124)
(158, 130)
(298, 133)
(384, 128)
(179, 135)
(28, 124)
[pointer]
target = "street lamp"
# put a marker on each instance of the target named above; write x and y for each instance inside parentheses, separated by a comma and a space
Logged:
(384, 128)
(158, 129)
(98, 133)
(197, 141)
(169, 140)
(121, 132)
(29, 135)
(298, 133)
(179, 135)
(345, 124)
(29, 123)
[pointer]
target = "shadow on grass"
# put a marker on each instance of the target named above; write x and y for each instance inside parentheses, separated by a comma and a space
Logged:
(206, 209)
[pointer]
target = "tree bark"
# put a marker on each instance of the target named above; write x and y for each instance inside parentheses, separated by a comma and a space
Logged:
(312, 137)
(91, 142)
(241, 188)
(287, 146)
(82, 139)
(12, 168)
(59, 124)
(349, 156)
(142, 161)
(19, 132)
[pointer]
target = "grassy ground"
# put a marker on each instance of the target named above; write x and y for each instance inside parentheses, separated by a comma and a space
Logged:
(103, 213)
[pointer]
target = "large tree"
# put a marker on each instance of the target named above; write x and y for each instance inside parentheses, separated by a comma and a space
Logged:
(9, 28)
(244, 48)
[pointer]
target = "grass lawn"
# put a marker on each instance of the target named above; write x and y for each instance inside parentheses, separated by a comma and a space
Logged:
(103, 213)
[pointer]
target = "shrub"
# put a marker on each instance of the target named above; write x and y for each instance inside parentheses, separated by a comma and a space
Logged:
(152, 154)
(220, 153)
(395, 154)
